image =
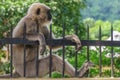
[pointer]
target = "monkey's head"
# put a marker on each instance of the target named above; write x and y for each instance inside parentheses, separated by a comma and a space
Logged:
(41, 12)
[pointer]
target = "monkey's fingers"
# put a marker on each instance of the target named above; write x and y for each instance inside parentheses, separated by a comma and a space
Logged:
(42, 50)
(78, 47)
(78, 43)
(75, 39)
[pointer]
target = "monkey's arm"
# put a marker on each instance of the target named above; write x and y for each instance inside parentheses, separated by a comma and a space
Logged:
(72, 38)
(28, 30)
(38, 37)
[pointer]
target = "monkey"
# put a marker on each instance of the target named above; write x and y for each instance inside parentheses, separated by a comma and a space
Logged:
(39, 15)
(84, 68)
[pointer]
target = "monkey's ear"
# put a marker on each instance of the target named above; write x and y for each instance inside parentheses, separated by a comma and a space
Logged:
(38, 11)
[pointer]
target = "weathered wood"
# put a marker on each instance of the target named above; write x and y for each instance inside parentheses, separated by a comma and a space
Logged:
(62, 79)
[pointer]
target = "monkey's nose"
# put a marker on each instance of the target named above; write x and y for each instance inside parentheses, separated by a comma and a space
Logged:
(49, 15)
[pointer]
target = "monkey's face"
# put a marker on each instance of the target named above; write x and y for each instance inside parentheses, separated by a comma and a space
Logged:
(41, 13)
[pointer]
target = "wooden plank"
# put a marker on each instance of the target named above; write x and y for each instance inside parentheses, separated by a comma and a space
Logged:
(61, 79)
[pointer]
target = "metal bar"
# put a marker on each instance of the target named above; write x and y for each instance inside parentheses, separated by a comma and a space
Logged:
(50, 63)
(88, 48)
(24, 36)
(63, 51)
(58, 42)
(17, 41)
(37, 64)
(11, 52)
(76, 57)
(63, 46)
(100, 59)
(112, 59)
(100, 43)
(87, 45)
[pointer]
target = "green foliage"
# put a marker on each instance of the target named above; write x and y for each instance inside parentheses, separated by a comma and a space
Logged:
(5, 68)
(94, 26)
(11, 11)
(107, 73)
(2, 54)
(94, 72)
(117, 63)
(105, 27)
(65, 13)
(102, 10)
(58, 75)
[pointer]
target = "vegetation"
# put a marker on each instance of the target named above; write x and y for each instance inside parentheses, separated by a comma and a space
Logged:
(65, 13)
(94, 26)
(102, 10)
(105, 26)
(68, 13)
(62, 11)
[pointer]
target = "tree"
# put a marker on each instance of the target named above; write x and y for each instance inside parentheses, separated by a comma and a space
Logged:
(102, 9)
(64, 12)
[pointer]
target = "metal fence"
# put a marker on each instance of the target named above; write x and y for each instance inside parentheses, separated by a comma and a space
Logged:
(64, 43)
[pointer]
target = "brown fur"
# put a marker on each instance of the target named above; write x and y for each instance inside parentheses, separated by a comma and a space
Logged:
(38, 15)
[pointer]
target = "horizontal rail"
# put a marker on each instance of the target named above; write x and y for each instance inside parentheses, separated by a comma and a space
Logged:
(100, 43)
(60, 42)
(17, 41)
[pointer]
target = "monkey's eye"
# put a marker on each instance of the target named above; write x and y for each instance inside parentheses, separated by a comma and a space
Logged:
(38, 11)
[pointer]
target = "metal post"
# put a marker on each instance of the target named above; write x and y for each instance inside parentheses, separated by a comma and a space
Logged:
(24, 36)
(112, 59)
(100, 59)
(63, 49)
(37, 62)
(11, 52)
(88, 47)
(63, 46)
(76, 57)
(50, 65)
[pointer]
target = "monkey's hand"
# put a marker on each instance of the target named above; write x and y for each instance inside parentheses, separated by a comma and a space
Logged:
(40, 38)
(42, 44)
(42, 49)
(75, 39)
